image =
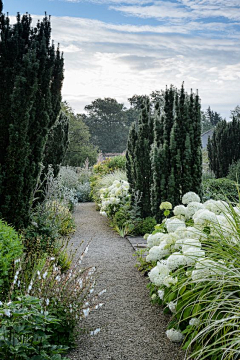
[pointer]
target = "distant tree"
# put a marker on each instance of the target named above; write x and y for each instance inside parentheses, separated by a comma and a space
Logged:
(213, 117)
(31, 72)
(80, 148)
(108, 124)
(137, 101)
(224, 147)
(236, 112)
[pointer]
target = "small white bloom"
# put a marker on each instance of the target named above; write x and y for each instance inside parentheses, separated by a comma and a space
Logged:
(154, 296)
(172, 306)
(47, 302)
(174, 335)
(169, 280)
(161, 294)
(158, 274)
(45, 275)
(7, 312)
(194, 322)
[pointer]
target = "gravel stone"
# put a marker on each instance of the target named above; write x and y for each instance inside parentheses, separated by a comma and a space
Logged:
(131, 328)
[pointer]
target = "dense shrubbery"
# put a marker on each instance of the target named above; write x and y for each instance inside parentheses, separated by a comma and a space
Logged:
(11, 248)
(220, 189)
(234, 171)
(194, 273)
(37, 266)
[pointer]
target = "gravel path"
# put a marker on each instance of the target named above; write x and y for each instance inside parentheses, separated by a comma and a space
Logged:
(131, 328)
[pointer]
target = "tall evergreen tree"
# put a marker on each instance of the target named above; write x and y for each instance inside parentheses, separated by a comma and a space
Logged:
(224, 147)
(174, 142)
(138, 158)
(31, 73)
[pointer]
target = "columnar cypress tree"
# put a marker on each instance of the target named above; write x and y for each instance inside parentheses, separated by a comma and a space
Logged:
(138, 158)
(224, 147)
(175, 145)
(31, 74)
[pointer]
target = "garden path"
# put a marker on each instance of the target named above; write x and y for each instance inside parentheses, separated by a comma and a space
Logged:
(131, 328)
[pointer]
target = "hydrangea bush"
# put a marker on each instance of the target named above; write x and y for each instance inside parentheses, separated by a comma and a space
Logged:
(114, 197)
(195, 274)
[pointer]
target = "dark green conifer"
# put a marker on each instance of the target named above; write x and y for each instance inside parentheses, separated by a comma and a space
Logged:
(31, 73)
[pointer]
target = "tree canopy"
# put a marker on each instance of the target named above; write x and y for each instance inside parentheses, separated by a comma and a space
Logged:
(108, 123)
(80, 147)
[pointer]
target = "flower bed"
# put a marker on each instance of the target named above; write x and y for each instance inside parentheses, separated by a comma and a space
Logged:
(195, 274)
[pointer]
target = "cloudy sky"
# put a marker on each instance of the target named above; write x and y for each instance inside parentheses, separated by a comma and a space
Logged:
(118, 48)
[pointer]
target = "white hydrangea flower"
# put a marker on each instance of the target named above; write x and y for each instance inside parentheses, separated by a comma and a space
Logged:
(194, 233)
(158, 274)
(205, 268)
(214, 206)
(180, 232)
(193, 207)
(161, 294)
(172, 306)
(157, 253)
(169, 280)
(173, 224)
(190, 197)
(180, 211)
(174, 335)
(176, 260)
(194, 322)
(154, 239)
(203, 217)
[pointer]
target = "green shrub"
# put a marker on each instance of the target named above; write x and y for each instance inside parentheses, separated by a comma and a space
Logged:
(110, 164)
(121, 217)
(83, 192)
(11, 249)
(145, 226)
(234, 171)
(220, 189)
(24, 332)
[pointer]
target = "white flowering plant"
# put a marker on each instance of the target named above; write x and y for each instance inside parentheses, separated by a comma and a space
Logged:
(67, 295)
(114, 197)
(195, 264)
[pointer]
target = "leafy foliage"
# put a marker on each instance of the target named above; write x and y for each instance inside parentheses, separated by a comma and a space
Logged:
(23, 334)
(108, 123)
(234, 171)
(11, 249)
(80, 147)
(220, 189)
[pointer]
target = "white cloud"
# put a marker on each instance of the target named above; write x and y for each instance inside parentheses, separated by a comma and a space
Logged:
(183, 9)
(107, 60)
